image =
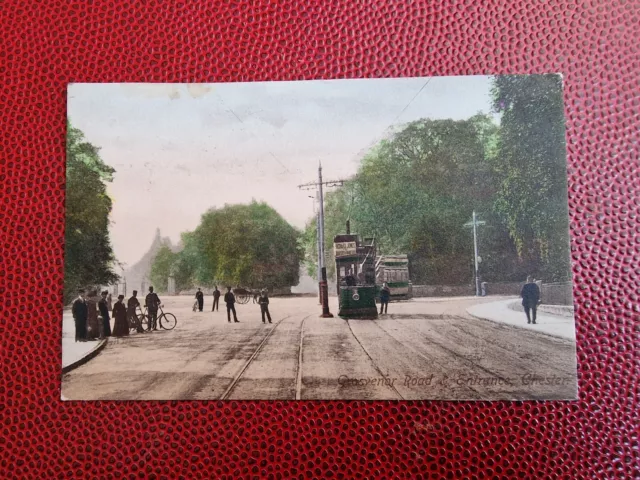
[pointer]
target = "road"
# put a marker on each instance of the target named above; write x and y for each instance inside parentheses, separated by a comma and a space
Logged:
(423, 349)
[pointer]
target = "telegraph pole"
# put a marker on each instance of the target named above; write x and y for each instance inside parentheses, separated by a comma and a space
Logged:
(324, 291)
(474, 223)
(316, 212)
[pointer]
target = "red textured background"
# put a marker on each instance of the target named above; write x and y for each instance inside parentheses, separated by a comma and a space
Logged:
(45, 45)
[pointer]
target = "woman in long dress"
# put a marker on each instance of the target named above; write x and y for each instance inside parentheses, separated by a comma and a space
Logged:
(93, 326)
(103, 306)
(120, 325)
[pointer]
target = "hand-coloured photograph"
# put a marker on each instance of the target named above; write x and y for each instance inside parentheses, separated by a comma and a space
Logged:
(374, 239)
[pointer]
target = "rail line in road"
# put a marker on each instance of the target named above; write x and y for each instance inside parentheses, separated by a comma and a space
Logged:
(418, 353)
(233, 383)
(375, 365)
(456, 354)
(258, 349)
(299, 369)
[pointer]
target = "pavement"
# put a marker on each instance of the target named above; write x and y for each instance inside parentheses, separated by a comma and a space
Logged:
(423, 349)
(75, 352)
(504, 311)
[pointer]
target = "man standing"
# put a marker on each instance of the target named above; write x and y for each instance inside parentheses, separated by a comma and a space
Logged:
(200, 299)
(263, 300)
(230, 300)
(152, 302)
(216, 298)
(104, 312)
(385, 293)
(530, 299)
(132, 313)
(80, 313)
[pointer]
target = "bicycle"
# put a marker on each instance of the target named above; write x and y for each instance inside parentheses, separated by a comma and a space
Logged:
(166, 321)
(135, 323)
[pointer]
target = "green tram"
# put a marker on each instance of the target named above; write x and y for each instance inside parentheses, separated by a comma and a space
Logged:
(356, 276)
(394, 270)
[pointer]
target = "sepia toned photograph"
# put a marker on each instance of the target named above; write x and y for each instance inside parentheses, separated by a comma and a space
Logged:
(371, 239)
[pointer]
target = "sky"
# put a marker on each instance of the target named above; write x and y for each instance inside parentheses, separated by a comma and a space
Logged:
(180, 149)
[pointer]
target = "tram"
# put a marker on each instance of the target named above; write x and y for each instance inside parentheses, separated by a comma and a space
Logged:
(356, 276)
(394, 270)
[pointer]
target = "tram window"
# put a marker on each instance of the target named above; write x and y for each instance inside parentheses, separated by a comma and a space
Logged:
(342, 273)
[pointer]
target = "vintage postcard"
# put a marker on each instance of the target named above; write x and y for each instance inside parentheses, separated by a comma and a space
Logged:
(378, 239)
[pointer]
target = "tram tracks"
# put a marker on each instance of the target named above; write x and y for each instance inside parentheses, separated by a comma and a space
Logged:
(373, 363)
(298, 377)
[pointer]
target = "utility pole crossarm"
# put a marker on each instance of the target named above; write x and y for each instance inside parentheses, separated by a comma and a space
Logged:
(311, 185)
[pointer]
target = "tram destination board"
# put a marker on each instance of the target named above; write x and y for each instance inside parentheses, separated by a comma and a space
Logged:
(345, 249)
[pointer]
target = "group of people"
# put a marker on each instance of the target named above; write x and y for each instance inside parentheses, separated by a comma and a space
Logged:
(230, 302)
(92, 317)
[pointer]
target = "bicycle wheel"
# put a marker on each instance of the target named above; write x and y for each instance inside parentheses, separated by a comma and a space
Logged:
(168, 321)
(144, 321)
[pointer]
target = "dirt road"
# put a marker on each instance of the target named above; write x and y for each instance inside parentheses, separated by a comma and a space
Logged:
(423, 349)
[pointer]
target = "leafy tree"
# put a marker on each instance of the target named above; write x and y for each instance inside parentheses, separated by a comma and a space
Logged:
(89, 258)
(414, 192)
(247, 245)
(532, 196)
(185, 266)
(162, 267)
(308, 243)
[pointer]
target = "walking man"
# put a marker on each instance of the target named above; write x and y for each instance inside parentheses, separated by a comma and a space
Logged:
(230, 300)
(103, 306)
(152, 302)
(132, 313)
(216, 298)
(530, 299)
(263, 300)
(80, 313)
(385, 293)
(200, 299)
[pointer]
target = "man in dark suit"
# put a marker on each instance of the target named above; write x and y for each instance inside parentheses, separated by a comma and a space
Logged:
(132, 313)
(530, 299)
(200, 299)
(152, 302)
(263, 300)
(385, 294)
(230, 300)
(216, 298)
(80, 313)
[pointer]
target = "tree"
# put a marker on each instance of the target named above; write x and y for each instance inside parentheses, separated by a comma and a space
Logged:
(308, 243)
(89, 258)
(414, 191)
(248, 245)
(532, 196)
(162, 267)
(186, 263)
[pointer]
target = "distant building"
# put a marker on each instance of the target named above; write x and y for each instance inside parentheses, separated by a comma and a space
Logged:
(137, 276)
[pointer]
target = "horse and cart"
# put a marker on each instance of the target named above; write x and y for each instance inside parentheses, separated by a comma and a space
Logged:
(244, 295)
